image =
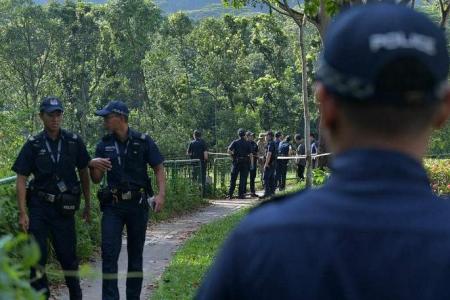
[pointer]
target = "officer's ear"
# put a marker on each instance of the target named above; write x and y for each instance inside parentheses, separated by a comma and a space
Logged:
(443, 112)
(328, 107)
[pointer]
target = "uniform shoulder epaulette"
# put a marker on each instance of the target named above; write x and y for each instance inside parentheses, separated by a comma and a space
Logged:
(36, 137)
(278, 199)
(70, 135)
(138, 135)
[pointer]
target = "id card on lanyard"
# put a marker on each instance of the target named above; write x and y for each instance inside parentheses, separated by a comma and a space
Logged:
(62, 187)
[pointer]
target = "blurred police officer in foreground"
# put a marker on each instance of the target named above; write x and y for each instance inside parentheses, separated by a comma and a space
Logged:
(301, 162)
(270, 163)
(284, 149)
(53, 195)
(124, 154)
(240, 151)
(254, 147)
(198, 150)
(375, 230)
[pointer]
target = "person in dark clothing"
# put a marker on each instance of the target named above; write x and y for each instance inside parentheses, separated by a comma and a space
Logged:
(375, 230)
(270, 163)
(124, 154)
(284, 149)
(53, 195)
(198, 150)
(277, 174)
(301, 162)
(241, 152)
(253, 163)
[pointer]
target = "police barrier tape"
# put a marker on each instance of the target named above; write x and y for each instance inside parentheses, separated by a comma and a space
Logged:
(313, 156)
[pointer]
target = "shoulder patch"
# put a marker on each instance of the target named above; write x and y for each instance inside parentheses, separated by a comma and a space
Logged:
(143, 136)
(74, 136)
(31, 138)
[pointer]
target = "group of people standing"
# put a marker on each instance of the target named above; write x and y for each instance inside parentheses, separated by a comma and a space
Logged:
(47, 204)
(248, 156)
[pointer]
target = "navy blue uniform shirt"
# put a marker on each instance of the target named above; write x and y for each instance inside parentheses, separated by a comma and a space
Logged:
(35, 158)
(374, 231)
(197, 148)
(241, 148)
(271, 147)
(254, 148)
(129, 159)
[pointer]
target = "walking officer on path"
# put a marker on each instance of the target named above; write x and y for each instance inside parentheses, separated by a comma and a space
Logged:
(375, 230)
(254, 148)
(240, 150)
(198, 150)
(125, 201)
(53, 195)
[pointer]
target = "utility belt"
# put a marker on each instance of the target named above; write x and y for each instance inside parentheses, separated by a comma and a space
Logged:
(66, 203)
(243, 159)
(107, 195)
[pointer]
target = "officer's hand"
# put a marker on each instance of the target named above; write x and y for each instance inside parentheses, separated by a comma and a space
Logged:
(87, 214)
(24, 222)
(159, 203)
(103, 164)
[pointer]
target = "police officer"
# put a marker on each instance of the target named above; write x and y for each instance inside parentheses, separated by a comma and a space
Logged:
(375, 230)
(53, 194)
(301, 162)
(254, 147)
(278, 140)
(270, 163)
(240, 152)
(125, 201)
(284, 149)
(198, 150)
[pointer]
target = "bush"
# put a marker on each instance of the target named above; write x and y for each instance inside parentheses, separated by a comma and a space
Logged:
(439, 173)
(17, 255)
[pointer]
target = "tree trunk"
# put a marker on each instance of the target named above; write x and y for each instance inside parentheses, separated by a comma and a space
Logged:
(305, 104)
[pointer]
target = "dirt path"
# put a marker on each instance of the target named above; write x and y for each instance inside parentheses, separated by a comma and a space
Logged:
(163, 239)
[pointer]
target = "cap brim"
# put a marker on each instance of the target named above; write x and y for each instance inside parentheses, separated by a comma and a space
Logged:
(52, 109)
(102, 112)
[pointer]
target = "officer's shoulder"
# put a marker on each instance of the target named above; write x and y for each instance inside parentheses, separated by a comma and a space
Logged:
(278, 199)
(35, 138)
(138, 135)
(70, 135)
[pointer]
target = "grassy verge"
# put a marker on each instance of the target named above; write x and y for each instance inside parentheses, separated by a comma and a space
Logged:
(185, 272)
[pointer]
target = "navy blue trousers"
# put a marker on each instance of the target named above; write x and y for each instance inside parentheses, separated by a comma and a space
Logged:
(269, 180)
(240, 168)
(45, 222)
(115, 216)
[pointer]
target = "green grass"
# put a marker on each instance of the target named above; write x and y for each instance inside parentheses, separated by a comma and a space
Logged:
(185, 272)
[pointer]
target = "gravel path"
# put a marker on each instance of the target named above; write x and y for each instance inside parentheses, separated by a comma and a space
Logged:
(163, 239)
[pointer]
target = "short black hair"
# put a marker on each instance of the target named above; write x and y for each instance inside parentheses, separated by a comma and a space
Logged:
(288, 138)
(407, 78)
(269, 133)
(197, 133)
(278, 134)
(297, 137)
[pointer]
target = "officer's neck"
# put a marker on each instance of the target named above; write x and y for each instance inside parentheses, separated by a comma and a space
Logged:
(52, 134)
(122, 132)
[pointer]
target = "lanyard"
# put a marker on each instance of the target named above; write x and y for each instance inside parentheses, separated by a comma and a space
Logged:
(119, 159)
(55, 160)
